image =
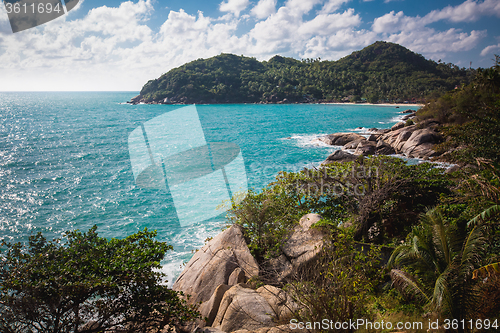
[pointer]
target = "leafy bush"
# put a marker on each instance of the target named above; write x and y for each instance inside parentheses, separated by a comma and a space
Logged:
(345, 275)
(86, 284)
(471, 115)
(381, 196)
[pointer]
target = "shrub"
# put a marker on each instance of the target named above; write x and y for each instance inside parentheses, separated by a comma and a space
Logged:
(345, 275)
(87, 284)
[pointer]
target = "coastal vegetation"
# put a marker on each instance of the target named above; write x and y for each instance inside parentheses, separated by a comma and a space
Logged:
(85, 283)
(370, 238)
(383, 71)
(443, 228)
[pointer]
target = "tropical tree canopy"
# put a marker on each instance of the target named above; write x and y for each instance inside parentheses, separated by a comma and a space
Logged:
(85, 283)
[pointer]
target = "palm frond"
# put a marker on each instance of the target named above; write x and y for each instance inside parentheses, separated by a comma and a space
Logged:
(442, 299)
(407, 284)
(471, 251)
(438, 237)
(488, 270)
(485, 215)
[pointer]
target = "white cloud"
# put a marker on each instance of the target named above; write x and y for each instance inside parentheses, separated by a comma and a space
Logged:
(490, 50)
(390, 22)
(234, 6)
(287, 31)
(264, 8)
(434, 44)
(413, 32)
(468, 11)
(332, 6)
(112, 48)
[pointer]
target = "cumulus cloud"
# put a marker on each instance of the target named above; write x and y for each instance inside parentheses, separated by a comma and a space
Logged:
(288, 31)
(431, 42)
(490, 50)
(414, 33)
(264, 9)
(113, 48)
(332, 6)
(468, 11)
(234, 6)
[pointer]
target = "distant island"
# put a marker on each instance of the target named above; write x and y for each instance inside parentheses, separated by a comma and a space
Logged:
(380, 73)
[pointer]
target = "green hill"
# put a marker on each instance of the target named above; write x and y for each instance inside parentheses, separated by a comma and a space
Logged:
(380, 72)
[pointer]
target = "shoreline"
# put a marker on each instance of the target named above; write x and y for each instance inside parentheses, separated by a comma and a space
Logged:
(376, 104)
(260, 103)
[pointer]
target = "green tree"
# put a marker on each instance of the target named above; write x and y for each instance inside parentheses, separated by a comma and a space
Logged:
(85, 283)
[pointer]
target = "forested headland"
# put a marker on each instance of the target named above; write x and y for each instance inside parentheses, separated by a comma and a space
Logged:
(381, 72)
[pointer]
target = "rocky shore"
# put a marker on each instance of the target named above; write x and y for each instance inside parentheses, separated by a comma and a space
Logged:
(405, 138)
(236, 293)
(273, 99)
(222, 277)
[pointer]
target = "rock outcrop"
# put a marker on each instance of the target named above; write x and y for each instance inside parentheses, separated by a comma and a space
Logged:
(216, 276)
(214, 264)
(242, 307)
(340, 139)
(301, 249)
(411, 141)
(366, 148)
(340, 156)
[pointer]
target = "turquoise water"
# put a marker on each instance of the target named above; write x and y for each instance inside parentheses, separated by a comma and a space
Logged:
(64, 160)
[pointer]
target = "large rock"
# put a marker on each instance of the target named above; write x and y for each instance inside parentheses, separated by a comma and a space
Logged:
(214, 263)
(392, 136)
(340, 139)
(340, 156)
(403, 136)
(423, 151)
(384, 148)
(398, 126)
(419, 138)
(353, 144)
(366, 148)
(407, 117)
(281, 303)
(243, 308)
(208, 330)
(210, 308)
(299, 250)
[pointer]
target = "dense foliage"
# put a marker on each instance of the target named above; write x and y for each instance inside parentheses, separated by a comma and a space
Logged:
(339, 283)
(380, 72)
(86, 284)
(443, 227)
(381, 197)
(472, 117)
(440, 259)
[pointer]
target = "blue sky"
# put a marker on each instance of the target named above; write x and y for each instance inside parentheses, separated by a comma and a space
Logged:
(119, 45)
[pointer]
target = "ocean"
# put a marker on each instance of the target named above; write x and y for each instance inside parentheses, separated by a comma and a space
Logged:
(65, 161)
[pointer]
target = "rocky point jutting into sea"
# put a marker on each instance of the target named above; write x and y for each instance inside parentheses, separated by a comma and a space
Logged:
(222, 276)
(405, 138)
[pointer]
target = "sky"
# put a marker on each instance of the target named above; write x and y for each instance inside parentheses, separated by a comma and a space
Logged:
(113, 45)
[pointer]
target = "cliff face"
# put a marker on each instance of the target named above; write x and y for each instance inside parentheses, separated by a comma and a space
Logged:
(382, 71)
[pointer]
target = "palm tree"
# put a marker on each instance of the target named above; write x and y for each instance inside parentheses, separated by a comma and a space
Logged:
(436, 265)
